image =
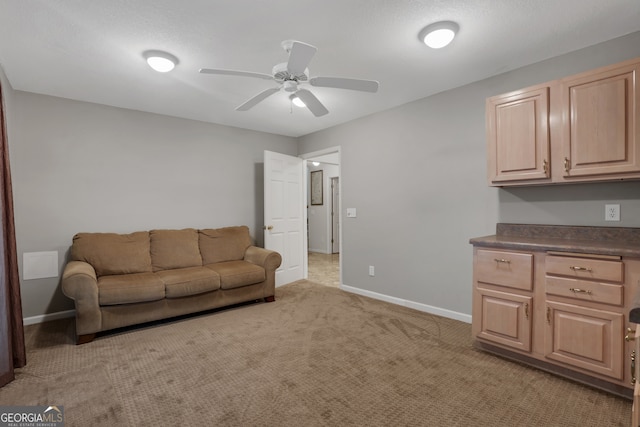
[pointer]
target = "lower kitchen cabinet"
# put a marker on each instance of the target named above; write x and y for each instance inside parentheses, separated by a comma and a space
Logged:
(564, 312)
(502, 297)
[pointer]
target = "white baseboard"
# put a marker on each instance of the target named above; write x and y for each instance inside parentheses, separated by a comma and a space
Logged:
(47, 317)
(411, 304)
(319, 251)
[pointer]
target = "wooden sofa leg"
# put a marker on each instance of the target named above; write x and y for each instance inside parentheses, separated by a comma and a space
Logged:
(271, 298)
(83, 339)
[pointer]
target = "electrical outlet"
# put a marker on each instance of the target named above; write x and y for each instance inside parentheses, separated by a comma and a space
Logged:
(612, 212)
(372, 271)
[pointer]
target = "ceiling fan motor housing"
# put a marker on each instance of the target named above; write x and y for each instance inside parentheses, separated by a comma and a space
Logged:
(281, 74)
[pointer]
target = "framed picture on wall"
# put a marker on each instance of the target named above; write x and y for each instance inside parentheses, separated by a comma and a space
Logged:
(316, 187)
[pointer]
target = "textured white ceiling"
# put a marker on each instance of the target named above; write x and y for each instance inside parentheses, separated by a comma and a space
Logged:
(91, 50)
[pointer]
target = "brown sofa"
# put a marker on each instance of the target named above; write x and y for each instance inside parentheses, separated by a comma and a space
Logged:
(119, 280)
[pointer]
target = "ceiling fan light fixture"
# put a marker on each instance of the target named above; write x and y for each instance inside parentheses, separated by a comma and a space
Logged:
(296, 101)
(439, 34)
(160, 61)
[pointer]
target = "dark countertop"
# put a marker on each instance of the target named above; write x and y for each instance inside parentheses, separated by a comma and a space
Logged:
(617, 241)
(561, 245)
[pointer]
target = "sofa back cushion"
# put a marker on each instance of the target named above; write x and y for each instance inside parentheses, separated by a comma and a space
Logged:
(111, 253)
(174, 249)
(224, 244)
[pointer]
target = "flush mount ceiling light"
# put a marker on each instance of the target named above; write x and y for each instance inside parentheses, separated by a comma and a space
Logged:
(160, 61)
(439, 34)
(296, 101)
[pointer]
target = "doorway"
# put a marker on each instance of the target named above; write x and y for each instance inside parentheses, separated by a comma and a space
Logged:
(335, 215)
(323, 257)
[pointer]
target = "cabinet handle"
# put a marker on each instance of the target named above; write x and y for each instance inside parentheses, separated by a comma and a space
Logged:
(580, 291)
(566, 165)
(576, 268)
(630, 335)
(633, 367)
(506, 261)
(549, 315)
(526, 310)
(545, 167)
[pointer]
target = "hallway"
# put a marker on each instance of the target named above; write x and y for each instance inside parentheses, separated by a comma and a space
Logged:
(324, 269)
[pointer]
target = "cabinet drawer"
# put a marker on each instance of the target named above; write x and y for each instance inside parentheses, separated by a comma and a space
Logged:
(585, 290)
(510, 269)
(585, 268)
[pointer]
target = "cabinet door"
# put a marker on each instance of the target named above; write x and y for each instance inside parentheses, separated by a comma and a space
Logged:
(600, 122)
(635, 409)
(586, 338)
(504, 318)
(518, 136)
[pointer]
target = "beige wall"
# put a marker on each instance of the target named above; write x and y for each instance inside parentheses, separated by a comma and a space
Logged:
(417, 176)
(79, 166)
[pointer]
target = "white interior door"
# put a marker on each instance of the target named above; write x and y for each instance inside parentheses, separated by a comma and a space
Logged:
(284, 214)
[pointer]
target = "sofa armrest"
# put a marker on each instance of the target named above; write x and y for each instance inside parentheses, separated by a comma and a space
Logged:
(268, 259)
(80, 283)
(79, 267)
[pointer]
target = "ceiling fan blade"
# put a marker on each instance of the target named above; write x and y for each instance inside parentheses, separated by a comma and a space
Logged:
(343, 83)
(299, 57)
(258, 98)
(312, 103)
(236, 73)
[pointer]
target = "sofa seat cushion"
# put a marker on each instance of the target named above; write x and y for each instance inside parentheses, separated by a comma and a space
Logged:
(235, 274)
(129, 288)
(183, 282)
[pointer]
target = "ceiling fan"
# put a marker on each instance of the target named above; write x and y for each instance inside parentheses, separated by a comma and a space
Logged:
(290, 75)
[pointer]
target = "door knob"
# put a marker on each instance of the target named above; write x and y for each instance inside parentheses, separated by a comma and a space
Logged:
(268, 227)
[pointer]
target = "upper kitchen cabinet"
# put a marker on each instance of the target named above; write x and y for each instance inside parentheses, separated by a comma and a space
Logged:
(599, 135)
(518, 136)
(583, 128)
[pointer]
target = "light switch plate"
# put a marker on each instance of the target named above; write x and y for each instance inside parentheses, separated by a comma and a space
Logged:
(351, 212)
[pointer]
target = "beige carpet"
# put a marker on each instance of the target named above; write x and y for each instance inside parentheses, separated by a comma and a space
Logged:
(318, 356)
